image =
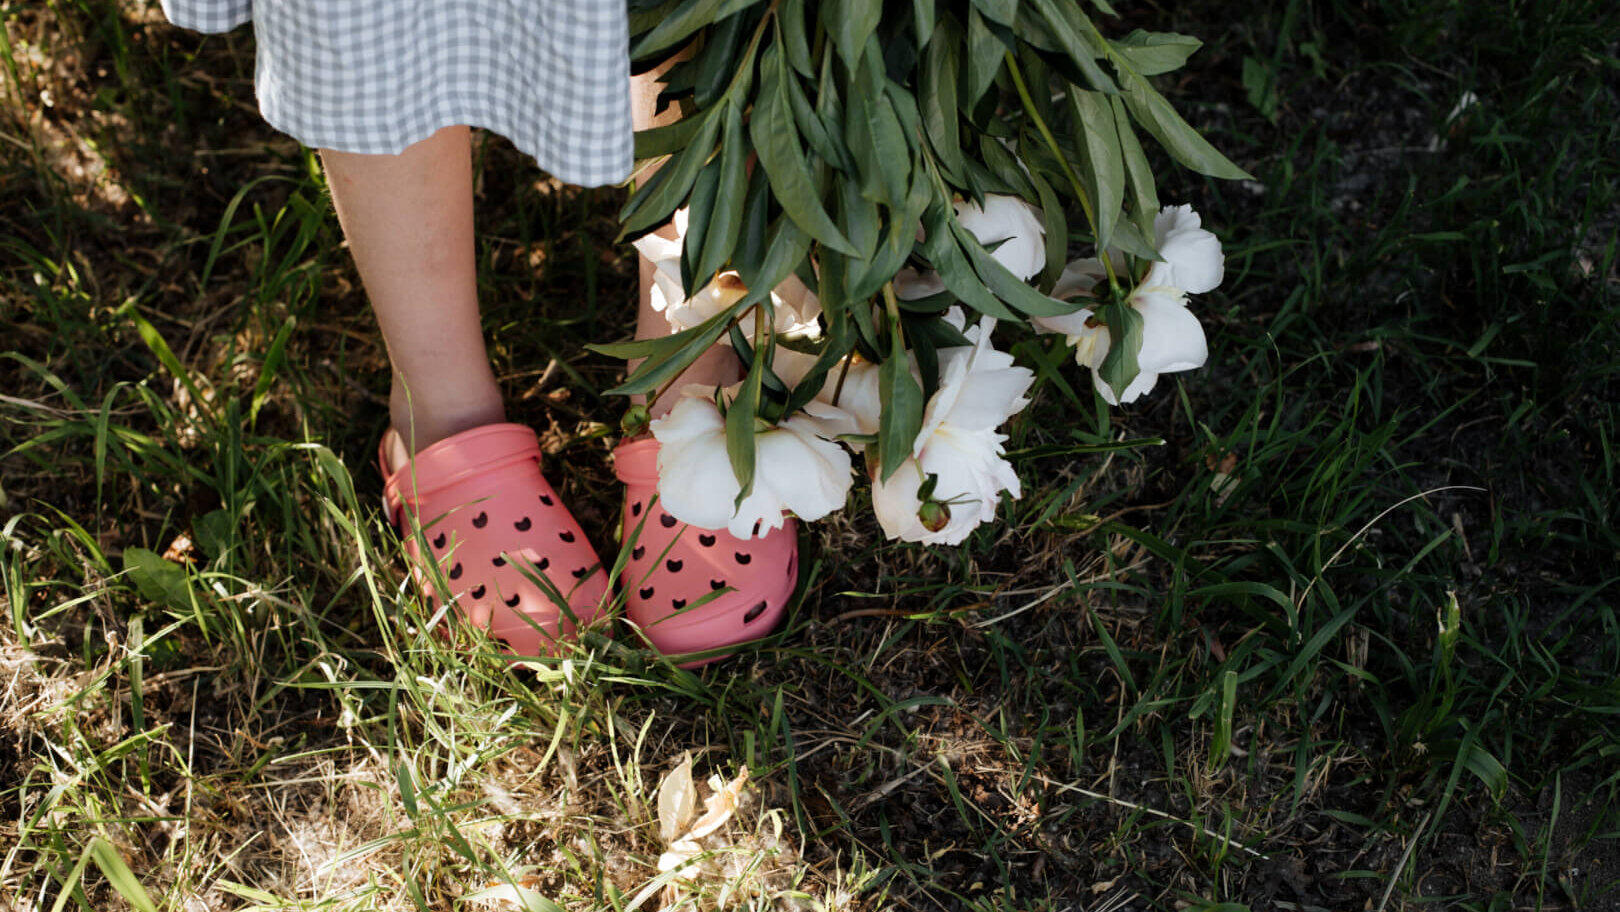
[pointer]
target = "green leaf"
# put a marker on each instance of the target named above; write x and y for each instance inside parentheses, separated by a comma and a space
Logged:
(1007, 286)
(700, 209)
(940, 246)
(725, 223)
(872, 132)
(1076, 35)
(676, 27)
(776, 141)
(901, 418)
(986, 55)
(668, 139)
(1154, 113)
(1153, 53)
(740, 417)
(273, 357)
(116, 870)
(1144, 193)
(160, 349)
(787, 249)
(1101, 159)
(937, 93)
(717, 62)
(667, 356)
(922, 13)
(1002, 11)
(214, 533)
(794, 37)
(750, 252)
(1006, 168)
(850, 23)
(1120, 366)
(158, 581)
(824, 142)
(1056, 223)
(657, 201)
(898, 240)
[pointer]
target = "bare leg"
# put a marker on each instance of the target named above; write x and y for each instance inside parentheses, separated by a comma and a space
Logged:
(409, 223)
(719, 365)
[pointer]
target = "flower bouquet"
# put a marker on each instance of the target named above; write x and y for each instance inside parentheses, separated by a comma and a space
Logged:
(863, 191)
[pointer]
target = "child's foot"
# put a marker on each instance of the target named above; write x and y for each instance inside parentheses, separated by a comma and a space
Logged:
(514, 559)
(693, 590)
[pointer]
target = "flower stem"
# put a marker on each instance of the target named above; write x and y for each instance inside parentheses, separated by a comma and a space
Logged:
(1063, 162)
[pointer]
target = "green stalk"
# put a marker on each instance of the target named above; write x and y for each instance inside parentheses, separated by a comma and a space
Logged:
(1068, 171)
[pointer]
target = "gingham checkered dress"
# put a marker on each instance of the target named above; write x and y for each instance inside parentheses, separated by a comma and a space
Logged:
(375, 76)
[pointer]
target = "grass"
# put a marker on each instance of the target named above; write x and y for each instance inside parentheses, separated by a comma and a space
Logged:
(1347, 639)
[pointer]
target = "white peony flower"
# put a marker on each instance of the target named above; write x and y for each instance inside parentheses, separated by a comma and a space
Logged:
(794, 470)
(1004, 220)
(853, 408)
(1017, 223)
(1172, 339)
(796, 306)
(979, 390)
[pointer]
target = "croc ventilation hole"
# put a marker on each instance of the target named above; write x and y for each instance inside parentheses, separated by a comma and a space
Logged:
(646, 593)
(677, 604)
(498, 561)
(637, 552)
(635, 508)
(480, 521)
(754, 613)
(523, 524)
(717, 585)
(477, 593)
(673, 565)
(546, 499)
(667, 521)
(743, 557)
(455, 572)
(706, 541)
(438, 542)
(543, 563)
(566, 536)
(513, 601)
(580, 573)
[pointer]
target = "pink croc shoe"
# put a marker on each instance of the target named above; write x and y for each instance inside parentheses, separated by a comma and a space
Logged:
(495, 527)
(697, 590)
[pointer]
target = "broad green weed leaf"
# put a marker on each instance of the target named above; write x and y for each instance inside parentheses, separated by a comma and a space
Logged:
(157, 580)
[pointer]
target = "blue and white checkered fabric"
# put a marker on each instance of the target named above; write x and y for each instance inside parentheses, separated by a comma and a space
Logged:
(375, 76)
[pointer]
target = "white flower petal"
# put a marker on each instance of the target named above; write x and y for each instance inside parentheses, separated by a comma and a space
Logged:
(979, 387)
(895, 503)
(1191, 254)
(695, 481)
(807, 475)
(1172, 339)
(1142, 385)
(1015, 225)
(911, 285)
